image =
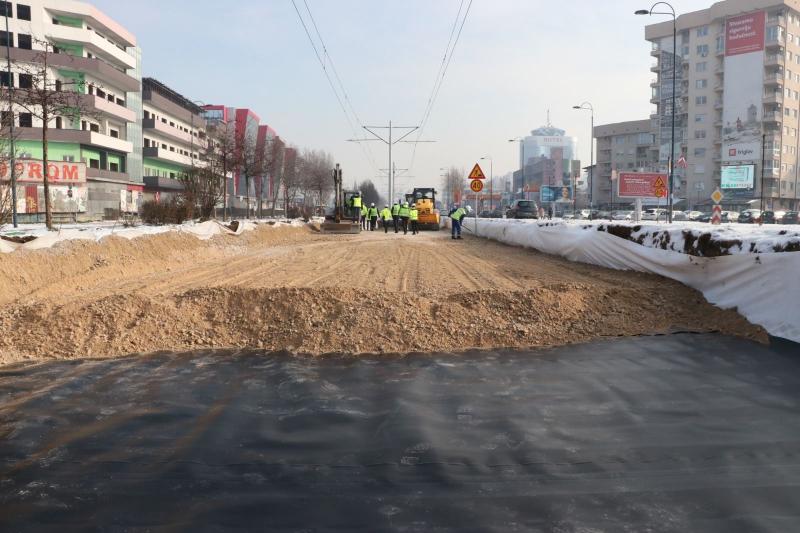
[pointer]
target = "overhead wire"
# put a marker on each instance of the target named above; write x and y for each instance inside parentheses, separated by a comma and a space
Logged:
(368, 156)
(440, 76)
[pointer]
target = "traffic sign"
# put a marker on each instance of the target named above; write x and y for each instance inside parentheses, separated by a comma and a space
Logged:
(716, 214)
(477, 173)
(660, 188)
(476, 185)
(717, 196)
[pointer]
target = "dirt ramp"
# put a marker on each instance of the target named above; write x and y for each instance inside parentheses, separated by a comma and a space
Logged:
(324, 320)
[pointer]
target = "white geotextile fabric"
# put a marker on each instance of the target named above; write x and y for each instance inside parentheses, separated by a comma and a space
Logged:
(762, 287)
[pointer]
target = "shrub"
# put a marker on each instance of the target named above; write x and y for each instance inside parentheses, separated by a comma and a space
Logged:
(171, 212)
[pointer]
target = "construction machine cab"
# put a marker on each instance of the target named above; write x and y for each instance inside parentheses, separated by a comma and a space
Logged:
(425, 200)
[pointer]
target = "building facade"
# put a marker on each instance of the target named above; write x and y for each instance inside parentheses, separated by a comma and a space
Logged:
(547, 158)
(621, 147)
(173, 133)
(738, 95)
(91, 54)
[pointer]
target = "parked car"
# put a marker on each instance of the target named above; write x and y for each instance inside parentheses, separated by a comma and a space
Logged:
(679, 216)
(749, 216)
(767, 217)
(622, 215)
(791, 217)
(523, 209)
(704, 217)
(654, 214)
(779, 216)
(583, 214)
(693, 215)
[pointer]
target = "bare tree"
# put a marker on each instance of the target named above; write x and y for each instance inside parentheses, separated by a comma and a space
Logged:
(46, 98)
(6, 191)
(275, 168)
(204, 185)
(251, 164)
(315, 173)
(453, 184)
(292, 180)
(369, 193)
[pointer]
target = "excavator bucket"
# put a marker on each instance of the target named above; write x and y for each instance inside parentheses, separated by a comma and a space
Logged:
(344, 227)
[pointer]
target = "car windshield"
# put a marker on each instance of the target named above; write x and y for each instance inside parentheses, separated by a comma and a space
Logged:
(525, 204)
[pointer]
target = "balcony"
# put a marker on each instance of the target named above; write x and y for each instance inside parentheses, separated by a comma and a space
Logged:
(773, 79)
(99, 104)
(107, 175)
(76, 136)
(166, 155)
(773, 42)
(774, 60)
(718, 104)
(773, 98)
(95, 67)
(90, 40)
(719, 87)
(153, 125)
(778, 20)
(774, 116)
(654, 67)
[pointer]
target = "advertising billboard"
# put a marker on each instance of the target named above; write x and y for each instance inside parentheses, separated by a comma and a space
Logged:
(737, 177)
(63, 198)
(32, 171)
(555, 193)
(743, 87)
(642, 185)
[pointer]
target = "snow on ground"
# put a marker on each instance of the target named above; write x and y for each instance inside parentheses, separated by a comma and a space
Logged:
(97, 231)
(750, 276)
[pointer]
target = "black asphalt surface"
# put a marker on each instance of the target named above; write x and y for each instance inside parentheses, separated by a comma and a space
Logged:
(676, 433)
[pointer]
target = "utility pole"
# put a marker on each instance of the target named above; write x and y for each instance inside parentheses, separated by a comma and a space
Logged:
(390, 142)
(11, 121)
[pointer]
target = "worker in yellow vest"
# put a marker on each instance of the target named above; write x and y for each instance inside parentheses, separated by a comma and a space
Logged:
(372, 215)
(396, 214)
(355, 205)
(364, 211)
(386, 218)
(413, 217)
(405, 213)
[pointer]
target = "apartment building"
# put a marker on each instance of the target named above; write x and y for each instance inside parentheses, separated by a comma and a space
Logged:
(173, 131)
(92, 155)
(547, 157)
(621, 147)
(737, 96)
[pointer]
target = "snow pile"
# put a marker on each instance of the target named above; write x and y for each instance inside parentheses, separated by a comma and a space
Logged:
(759, 283)
(97, 231)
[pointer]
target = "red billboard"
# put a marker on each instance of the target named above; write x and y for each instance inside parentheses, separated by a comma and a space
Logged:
(744, 34)
(642, 185)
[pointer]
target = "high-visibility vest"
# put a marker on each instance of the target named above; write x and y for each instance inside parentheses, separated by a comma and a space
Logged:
(356, 201)
(414, 213)
(373, 212)
(386, 214)
(395, 210)
(458, 214)
(404, 212)
(363, 210)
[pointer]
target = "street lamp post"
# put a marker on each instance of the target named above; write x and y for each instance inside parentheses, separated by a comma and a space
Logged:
(674, 73)
(491, 181)
(588, 106)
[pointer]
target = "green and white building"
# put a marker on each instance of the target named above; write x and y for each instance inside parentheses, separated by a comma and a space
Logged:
(98, 58)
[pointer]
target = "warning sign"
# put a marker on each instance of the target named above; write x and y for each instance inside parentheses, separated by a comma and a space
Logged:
(476, 185)
(477, 173)
(660, 188)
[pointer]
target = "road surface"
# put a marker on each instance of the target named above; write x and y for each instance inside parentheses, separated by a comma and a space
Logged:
(293, 289)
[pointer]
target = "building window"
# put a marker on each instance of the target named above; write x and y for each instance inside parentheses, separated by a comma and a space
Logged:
(702, 50)
(94, 163)
(120, 102)
(6, 10)
(113, 167)
(699, 169)
(110, 98)
(147, 143)
(25, 120)
(700, 100)
(94, 127)
(699, 152)
(25, 81)
(6, 39)
(101, 93)
(113, 133)
(720, 44)
(701, 84)
(24, 41)
(701, 66)
(700, 117)
(5, 80)
(702, 31)
(163, 146)
(5, 118)
(23, 12)
(171, 148)
(699, 134)
(59, 123)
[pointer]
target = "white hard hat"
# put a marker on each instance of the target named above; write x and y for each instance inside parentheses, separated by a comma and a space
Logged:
(469, 209)
(372, 204)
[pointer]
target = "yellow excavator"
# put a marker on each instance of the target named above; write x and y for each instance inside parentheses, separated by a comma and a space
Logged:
(425, 200)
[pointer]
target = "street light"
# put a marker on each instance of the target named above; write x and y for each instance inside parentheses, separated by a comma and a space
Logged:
(588, 106)
(491, 181)
(674, 63)
(521, 142)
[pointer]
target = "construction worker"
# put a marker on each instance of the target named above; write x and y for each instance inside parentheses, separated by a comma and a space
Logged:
(405, 213)
(413, 216)
(396, 214)
(355, 204)
(386, 217)
(456, 216)
(372, 213)
(364, 219)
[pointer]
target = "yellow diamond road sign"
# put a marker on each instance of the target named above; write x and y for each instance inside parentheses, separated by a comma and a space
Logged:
(716, 196)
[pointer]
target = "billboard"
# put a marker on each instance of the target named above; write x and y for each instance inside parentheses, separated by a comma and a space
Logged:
(642, 185)
(743, 87)
(555, 193)
(63, 198)
(32, 171)
(738, 177)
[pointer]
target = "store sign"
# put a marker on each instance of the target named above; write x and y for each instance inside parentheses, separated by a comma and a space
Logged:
(32, 171)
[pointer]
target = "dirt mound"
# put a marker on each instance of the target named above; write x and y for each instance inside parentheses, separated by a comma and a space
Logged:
(327, 320)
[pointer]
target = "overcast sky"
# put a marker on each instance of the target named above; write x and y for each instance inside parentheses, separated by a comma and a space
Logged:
(515, 60)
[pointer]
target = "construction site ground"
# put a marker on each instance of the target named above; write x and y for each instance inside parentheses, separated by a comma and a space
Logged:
(295, 289)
